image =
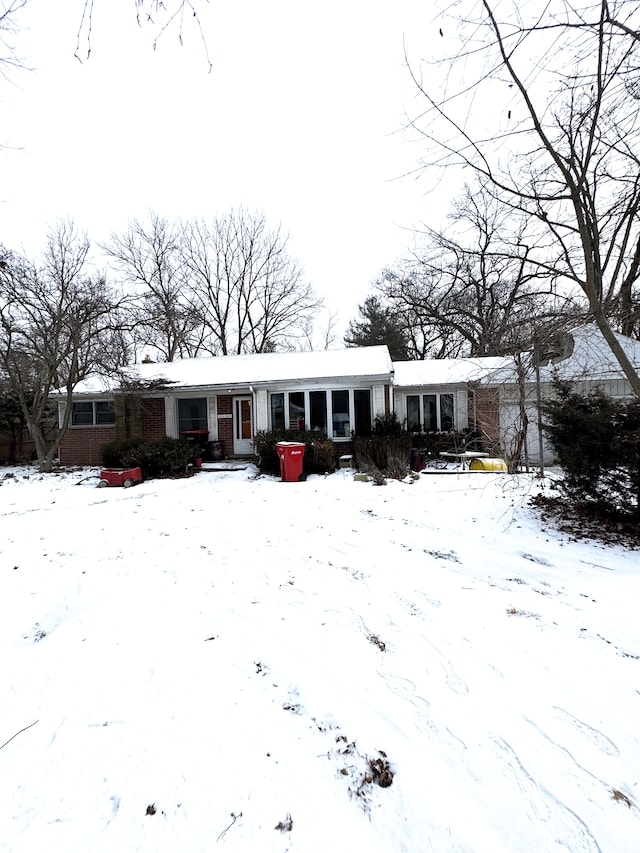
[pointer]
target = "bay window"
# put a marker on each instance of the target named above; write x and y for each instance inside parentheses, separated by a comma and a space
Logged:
(338, 412)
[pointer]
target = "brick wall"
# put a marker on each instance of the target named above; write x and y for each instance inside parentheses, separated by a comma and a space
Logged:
(225, 425)
(81, 445)
(153, 422)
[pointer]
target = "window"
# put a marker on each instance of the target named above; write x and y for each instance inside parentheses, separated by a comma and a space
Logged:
(413, 413)
(435, 415)
(277, 411)
(192, 414)
(93, 413)
(362, 411)
(318, 410)
(341, 419)
(335, 412)
(104, 412)
(446, 411)
(430, 409)
(296, 410)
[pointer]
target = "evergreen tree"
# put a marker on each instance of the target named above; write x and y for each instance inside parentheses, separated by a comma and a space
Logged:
(377, 325)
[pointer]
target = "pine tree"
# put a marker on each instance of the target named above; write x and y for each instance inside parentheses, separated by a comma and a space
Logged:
(377, 326)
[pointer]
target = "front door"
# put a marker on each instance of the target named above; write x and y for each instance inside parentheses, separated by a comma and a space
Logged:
(242, 426)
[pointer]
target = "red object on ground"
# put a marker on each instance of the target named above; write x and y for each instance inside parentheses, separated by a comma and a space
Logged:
(120, 477)
(291, 454)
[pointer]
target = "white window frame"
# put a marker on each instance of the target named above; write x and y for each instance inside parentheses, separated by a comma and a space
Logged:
(329, 404)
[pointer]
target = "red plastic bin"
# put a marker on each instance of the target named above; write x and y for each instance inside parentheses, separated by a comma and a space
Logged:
(120, 477)
(291, 454)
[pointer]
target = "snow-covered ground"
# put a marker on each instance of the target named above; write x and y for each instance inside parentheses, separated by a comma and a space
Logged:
(231, 662)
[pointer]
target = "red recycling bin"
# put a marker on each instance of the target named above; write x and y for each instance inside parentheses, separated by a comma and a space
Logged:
(291, 454)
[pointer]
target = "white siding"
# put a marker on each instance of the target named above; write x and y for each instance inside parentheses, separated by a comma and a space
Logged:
(461, 410)
(261, 415)
(171, 417)
(378, 401)
(212, 417)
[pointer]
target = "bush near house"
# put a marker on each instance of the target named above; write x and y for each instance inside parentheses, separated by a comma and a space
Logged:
(387, 451)
(597, 442)
(163, 457)
(319, 454)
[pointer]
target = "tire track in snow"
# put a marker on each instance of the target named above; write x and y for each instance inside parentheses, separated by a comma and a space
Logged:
(544, 807)
(452, 680)
(405, 689)
(595, 736)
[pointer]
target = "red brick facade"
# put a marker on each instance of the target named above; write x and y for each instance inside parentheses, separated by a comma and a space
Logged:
(225, 423)
(153, 422)
(82, 445)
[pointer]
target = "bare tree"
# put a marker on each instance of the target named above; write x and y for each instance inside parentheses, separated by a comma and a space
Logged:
(53, 317)
(473, 290)
(148, 258)
(250, 294)
(163, 16)
(9, 26)
(559, 84)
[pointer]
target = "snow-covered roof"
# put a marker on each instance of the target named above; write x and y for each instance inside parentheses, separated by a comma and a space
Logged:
(588, 357)
(446, 371)
(592, 357)
(233, 370)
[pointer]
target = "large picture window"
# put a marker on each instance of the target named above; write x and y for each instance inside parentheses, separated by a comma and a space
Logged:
(93, 413)
(430, 412)
(338, 412)
(192, 414)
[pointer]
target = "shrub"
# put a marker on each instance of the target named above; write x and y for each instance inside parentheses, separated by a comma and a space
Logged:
(163, 457)
(319, 454)
(385, 425)
(597, 442)
(389, 454)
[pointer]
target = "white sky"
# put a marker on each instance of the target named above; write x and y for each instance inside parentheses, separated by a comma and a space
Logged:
(302, 117)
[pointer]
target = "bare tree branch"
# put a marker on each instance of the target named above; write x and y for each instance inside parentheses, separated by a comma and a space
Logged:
(174, 13)
(566, 150)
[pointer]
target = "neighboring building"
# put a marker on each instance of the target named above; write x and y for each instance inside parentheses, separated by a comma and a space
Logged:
(229, 398)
